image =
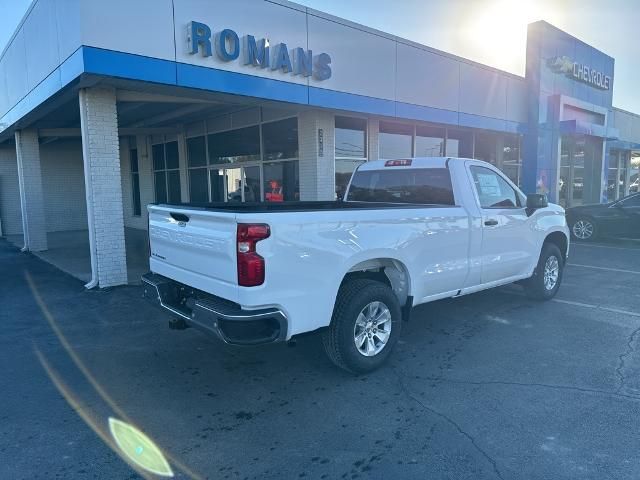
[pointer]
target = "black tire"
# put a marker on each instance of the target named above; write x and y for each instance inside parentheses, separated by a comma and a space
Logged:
(338, 339)
(535, 286)
(587, 223)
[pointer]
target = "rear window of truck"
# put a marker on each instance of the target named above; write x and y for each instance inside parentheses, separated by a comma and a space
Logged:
(416, 185)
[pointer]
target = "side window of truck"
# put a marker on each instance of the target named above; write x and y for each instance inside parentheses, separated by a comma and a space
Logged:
(493, 190)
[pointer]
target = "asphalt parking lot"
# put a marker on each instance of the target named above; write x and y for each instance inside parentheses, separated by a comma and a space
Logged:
(486, 386)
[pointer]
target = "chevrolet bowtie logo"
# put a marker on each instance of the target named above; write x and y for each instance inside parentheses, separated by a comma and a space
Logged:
(561, 64)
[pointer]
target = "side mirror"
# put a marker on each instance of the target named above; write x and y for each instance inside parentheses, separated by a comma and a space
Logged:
(536, 201)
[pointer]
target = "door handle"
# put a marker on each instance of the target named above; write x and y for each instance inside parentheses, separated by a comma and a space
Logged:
(179, 217)
(491, 223)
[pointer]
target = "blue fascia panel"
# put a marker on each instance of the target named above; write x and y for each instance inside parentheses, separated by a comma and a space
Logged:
(319, 97)
(584, 128)
(72, 67)
(411, 111)
(478, 121)
(126, 65)
(136, 67)
(623, 145)
(68, 71)
(203, 78)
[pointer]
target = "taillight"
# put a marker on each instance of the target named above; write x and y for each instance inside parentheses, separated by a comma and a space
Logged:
(250, 264)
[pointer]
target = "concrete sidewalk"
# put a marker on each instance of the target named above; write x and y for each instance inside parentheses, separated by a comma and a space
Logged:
(69, 251)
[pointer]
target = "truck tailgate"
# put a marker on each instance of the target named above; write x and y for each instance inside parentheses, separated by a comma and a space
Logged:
(195, 247)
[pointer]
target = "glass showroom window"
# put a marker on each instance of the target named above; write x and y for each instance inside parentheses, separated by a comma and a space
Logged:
(634, 173)
(280, 151)
(622, 173)
(511, 159)
(230, 166)
(395, 140)
(281, 181)
(235, 155)
(486, 148)
(429, 141)
(280, 139)
(197, 163)
(234, 146)
(135, 182)
(166, 172)
(612, 177)
(351, 149)
(459, 143)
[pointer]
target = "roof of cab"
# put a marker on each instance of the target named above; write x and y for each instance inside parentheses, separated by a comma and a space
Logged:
(416, 162)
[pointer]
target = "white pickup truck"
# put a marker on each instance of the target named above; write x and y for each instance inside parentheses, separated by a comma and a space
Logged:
(408, 232)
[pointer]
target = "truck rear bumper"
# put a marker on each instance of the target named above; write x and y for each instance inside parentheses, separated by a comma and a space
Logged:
(225, 319)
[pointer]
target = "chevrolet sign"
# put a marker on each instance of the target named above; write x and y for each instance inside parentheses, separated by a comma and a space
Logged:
(580, 72)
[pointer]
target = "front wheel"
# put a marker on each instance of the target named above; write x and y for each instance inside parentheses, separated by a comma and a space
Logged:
(546, 279)
(365, 326)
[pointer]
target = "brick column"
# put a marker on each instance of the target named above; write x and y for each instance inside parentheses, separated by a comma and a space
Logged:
(373, 152)
(317, 163)
(99, 124)
(34, 226)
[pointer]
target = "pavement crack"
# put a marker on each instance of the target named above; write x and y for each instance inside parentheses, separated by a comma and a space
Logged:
(451, 422)
(622, 359)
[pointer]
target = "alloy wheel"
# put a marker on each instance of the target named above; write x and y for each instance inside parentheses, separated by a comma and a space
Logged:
(372, 329)
(583, 229)
(551, 272)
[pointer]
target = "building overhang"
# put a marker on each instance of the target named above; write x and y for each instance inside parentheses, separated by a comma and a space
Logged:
(577, 127)
(89, 65)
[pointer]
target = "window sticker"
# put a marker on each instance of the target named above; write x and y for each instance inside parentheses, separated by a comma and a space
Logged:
(488, 184)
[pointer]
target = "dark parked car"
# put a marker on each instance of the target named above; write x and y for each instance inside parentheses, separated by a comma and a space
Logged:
(615, 219)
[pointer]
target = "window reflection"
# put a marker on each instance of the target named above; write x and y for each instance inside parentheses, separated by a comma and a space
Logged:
(459, 143)
(280, 139)
(242, 145)
(215, 173)
(166, 172)
(351, 137)
(281, 182)
(429, 141)
(395, 140)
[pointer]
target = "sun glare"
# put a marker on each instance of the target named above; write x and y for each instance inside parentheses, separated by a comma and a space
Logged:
(496, 31)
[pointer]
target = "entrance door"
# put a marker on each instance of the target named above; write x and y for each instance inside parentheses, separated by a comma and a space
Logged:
(580, 170)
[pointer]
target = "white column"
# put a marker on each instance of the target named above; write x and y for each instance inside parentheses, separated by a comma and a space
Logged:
(182, 159)
(316, 143)
(145, 167)
(373, 152)
(99, 124)
(34, 226)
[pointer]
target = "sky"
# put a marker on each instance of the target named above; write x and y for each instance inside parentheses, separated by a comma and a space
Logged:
(492, 32)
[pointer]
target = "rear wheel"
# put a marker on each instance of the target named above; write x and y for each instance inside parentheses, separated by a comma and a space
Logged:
(365, 326)
(545, 282)
(584, 229)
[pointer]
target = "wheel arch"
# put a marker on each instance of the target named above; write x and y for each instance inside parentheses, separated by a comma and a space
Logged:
(387, 270)
(560, 240)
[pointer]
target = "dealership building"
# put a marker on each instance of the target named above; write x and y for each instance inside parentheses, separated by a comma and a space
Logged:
(106, 107)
